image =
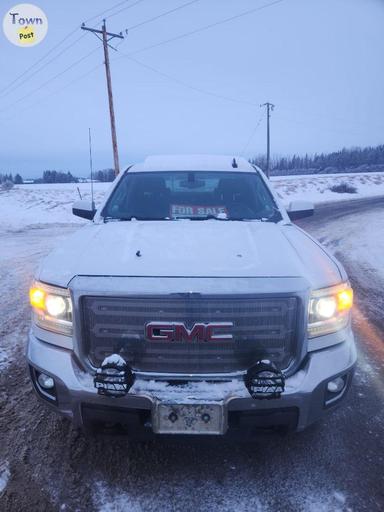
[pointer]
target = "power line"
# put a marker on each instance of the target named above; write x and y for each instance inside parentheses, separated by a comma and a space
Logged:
(104, 12)
(216, 95)
(22, 75)
(125, 8)
(206, 27)
(43, 66)
(57, 45)
(154, 70)
(252, 135)
(51, 79)
(182, 6)
(73, 64)
(57, 91)
(189, 86)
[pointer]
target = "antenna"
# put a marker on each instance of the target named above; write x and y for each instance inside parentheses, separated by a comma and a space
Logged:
(91, 166)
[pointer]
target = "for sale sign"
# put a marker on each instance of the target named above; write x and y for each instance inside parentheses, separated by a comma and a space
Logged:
(192, 210)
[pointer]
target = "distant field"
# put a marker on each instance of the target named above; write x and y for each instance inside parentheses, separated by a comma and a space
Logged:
(26, 205)
(316, 188)
(45, 203)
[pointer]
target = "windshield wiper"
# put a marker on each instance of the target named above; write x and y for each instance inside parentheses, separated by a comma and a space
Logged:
(229, 219)
(207, 217)
(275, 217)
(133, 217)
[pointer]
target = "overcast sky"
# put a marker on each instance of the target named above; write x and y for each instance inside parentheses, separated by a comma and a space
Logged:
(319, 61)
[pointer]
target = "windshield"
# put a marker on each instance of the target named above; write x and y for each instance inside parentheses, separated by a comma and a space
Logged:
(191, 195)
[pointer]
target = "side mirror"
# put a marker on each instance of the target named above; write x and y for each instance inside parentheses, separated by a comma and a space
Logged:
(300, 209)
(84, 209)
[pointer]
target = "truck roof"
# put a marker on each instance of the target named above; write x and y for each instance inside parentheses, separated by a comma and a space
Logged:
(193, 163)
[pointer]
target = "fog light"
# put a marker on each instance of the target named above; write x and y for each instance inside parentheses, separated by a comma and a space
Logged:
(336, 385)
(45, 381)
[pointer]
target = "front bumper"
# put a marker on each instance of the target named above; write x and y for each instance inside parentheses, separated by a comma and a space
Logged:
(304, 401)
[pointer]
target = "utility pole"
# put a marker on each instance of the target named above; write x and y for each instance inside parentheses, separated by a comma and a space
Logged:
(106, 37)
(270, 108)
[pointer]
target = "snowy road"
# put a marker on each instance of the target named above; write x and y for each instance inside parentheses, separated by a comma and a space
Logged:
(337, 465)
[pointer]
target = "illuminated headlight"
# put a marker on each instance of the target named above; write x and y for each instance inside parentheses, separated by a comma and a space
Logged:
(52, 308)
(329, 310)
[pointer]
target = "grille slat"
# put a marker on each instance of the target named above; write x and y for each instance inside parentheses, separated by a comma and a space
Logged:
(262, 328)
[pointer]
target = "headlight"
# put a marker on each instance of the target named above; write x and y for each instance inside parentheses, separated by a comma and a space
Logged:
(329, 310)
(52, 308)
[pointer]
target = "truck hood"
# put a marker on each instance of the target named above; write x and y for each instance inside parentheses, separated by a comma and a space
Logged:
(187, 248)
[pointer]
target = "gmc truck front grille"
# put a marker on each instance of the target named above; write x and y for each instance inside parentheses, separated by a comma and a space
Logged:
(260, 328)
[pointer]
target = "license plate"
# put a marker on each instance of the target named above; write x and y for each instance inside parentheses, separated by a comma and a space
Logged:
(189, 419)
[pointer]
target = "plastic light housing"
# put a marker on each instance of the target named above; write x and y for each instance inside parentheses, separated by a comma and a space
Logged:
(329, 310)
(52, 308)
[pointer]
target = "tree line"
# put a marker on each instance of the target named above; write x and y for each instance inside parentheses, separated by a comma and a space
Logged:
(57, 177)
(353, 159)
(16, 180)
(337, 161)
(103, 175)
(53, 176)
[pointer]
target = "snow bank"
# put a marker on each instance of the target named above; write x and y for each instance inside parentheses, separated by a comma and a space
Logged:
(27, 205)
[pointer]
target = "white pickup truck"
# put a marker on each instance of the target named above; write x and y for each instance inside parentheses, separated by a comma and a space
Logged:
(190, 304)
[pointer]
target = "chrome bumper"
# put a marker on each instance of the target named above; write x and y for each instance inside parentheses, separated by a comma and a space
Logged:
(305, 391)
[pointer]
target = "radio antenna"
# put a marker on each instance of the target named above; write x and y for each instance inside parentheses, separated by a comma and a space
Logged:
(91, 166)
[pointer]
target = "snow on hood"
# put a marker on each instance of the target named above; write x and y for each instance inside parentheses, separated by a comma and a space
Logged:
(190, 249)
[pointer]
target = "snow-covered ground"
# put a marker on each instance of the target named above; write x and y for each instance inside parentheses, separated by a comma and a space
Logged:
(316, 188)
(26, 205)
(52, 203)
(360, 239)
(4, 475)
(159, 478)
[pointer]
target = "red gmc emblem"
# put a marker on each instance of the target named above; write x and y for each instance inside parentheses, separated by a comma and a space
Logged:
(174, 331)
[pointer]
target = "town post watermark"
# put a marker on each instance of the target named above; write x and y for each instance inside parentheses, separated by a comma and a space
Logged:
(25, 25)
